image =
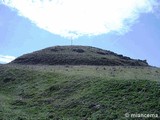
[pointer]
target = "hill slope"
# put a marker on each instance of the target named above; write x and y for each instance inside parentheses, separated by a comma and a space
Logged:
(77, 55)
(32, 92)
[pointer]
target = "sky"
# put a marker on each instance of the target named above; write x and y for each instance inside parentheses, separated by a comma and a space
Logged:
(128, 27)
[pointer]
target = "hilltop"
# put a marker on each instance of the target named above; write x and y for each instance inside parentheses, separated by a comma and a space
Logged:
(77, 55)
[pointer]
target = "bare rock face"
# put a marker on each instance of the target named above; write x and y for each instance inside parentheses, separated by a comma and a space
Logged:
(77, 55)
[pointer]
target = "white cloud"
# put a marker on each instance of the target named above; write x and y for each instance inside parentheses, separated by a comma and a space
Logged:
(6, 58)
(75, 18)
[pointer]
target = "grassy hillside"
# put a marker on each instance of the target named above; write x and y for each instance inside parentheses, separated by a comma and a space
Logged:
(29, 92)
(77, 55)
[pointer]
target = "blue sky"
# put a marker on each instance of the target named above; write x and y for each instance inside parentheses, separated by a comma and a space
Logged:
(133, 32)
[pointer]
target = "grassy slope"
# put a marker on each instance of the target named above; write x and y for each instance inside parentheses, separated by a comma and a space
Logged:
(77, 92)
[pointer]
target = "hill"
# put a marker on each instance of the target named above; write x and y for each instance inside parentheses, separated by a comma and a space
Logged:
(77, 55)
(44, 92)
(78, 83)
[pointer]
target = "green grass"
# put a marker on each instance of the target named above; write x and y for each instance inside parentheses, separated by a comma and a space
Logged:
(77, 92)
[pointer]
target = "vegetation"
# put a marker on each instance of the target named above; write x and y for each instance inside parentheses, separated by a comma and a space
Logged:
(77, 55)
(77, 83)
(32, 92)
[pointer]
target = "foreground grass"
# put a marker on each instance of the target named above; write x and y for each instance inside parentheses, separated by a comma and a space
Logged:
(77, 92)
